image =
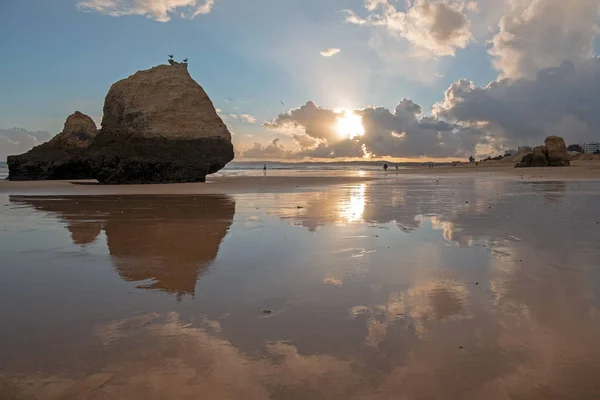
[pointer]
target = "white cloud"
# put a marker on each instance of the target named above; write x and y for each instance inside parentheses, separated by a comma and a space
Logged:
(330, 52)
(233, 116)
(17, 141)
(159, 10)
(537, 34)
(248, 118)
(560, 101)
(218, 110)
(434, 27)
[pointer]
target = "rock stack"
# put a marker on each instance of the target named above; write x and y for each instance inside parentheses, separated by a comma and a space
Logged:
(60, 158)
(159, 126)
(553, 154)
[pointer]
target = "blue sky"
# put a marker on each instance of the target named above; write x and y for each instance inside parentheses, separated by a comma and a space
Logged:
(61, 57)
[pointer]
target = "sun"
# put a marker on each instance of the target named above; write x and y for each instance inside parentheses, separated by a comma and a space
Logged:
(349, 125)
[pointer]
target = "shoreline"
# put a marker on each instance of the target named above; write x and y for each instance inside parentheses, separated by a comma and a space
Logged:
(290, 180)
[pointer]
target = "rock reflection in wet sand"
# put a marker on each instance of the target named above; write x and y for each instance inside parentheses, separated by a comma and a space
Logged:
(166, 240)
(459, 289)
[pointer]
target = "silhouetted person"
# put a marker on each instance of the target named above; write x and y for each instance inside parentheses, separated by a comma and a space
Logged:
(396, 166)
(265, 169)
(385, 167)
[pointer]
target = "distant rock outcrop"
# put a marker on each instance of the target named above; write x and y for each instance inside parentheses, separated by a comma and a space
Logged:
(159, 126)
(63, 157)
(553, 154)
(557, 151)
(539, 157)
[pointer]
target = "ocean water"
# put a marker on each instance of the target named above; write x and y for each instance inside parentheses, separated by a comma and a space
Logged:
(241, 168)
(313, 166)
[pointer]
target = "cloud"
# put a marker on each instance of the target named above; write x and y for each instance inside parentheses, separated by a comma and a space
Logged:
(434, 27)
(232, 116)
(562, 100)
(17, 141)
(537, 34)
(273, 150)
(402, 132)
(159, 10)
(248, 118)
(330, 52)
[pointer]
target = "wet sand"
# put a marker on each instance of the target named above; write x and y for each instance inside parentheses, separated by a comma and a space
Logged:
(464, 286)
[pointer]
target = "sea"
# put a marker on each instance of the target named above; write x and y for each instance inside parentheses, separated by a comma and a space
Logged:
(239, 168)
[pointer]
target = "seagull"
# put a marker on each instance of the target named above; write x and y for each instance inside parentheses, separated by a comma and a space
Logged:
(170, 56)
(281, 103)
(230, 99)
(185, 60)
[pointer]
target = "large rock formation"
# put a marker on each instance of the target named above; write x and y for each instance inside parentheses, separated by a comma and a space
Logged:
(553, 154)
(63, 157)
(539, 157)
(557, 151)
(159, 126)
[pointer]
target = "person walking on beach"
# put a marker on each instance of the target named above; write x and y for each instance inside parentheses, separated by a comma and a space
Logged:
(396, 167)
(265, 170)
(385, 167)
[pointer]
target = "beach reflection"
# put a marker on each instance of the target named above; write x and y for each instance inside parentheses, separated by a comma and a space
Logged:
(165, 242)
(353, 209)
(458, 288)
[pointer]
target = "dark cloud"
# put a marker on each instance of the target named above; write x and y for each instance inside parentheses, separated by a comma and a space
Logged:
(316, 121)
(402, 132)
(273, 150)
(560, 101)
(17, 141)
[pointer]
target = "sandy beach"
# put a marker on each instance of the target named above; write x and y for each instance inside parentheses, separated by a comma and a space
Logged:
(443, 283)
(254, 181)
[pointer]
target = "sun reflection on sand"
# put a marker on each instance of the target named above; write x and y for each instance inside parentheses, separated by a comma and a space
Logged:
(354, 209)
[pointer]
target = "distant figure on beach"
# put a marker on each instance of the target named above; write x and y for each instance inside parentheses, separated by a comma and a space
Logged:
(385, 167)
(396, 166)
(265, 170)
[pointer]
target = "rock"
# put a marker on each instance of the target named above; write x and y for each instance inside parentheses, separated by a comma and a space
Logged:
(557, 151)
(525, 161)
(159, 126)
(63, 157)
(553, 154)
(539, 157)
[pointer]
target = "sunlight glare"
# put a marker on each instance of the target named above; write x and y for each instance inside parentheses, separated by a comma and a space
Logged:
(350, 125)
(353, 209)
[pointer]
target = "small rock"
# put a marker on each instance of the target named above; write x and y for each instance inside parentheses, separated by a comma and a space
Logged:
(299, 207)
(460, 347)
(267, 311)
(477, 283)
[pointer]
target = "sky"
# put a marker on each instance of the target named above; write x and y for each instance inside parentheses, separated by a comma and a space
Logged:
(318, 79)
